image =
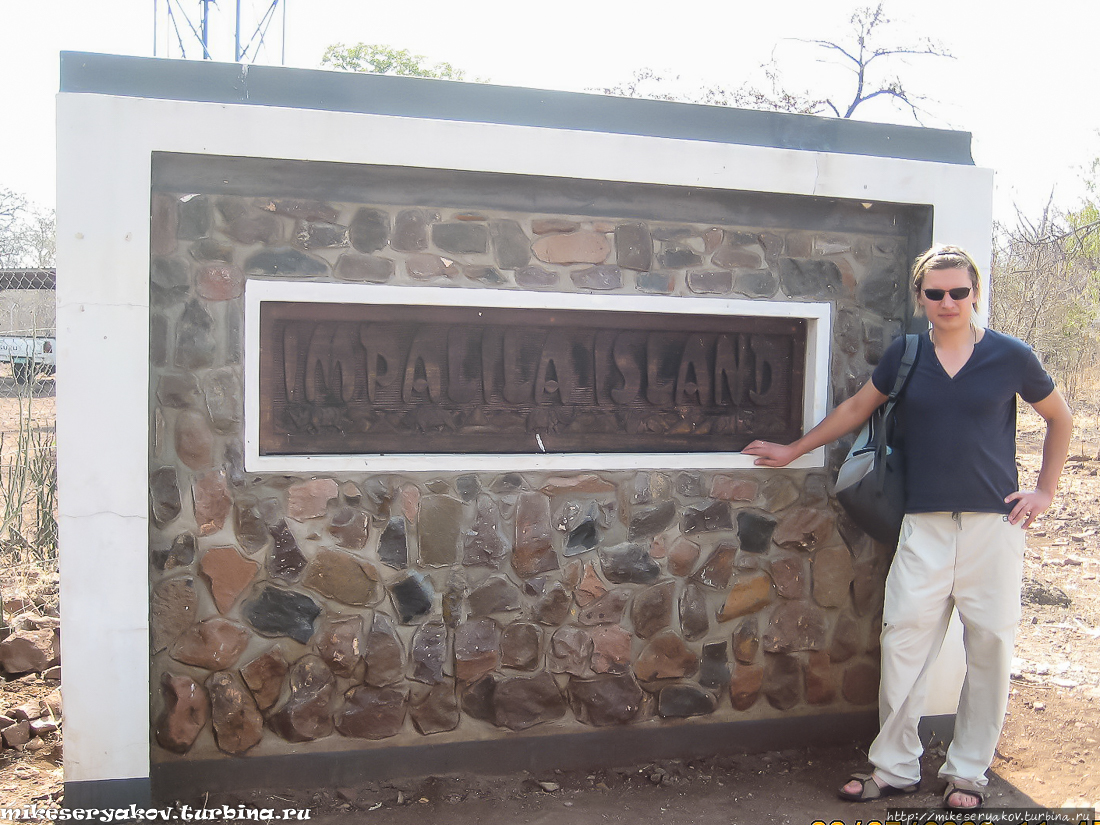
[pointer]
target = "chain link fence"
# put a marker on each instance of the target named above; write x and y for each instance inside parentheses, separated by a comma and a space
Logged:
(28, 444)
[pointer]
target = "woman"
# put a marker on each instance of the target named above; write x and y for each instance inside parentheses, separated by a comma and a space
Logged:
(962, 540)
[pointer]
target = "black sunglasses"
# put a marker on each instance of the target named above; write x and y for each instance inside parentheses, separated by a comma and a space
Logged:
(957, 294)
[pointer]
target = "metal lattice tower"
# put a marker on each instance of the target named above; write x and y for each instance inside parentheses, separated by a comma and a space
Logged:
(206, 29)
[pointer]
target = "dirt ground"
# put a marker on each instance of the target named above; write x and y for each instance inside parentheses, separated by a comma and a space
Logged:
(1045, 757)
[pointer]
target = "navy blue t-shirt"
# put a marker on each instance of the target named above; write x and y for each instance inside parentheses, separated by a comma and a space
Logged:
(959, 434)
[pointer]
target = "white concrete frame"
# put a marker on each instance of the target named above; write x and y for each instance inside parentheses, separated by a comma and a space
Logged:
(815, 385)
(105, 145)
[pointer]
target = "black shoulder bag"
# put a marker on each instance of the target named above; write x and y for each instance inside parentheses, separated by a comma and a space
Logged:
(871, 482)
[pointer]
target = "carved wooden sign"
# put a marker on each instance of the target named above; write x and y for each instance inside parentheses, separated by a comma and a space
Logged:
(351, 379)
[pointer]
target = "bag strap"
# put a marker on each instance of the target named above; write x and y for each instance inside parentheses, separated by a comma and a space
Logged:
(886, 431)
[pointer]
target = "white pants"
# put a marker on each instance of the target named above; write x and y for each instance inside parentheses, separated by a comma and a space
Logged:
(972, 561)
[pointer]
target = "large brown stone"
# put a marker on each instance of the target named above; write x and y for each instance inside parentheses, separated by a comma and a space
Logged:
(264, 676)
(860, 684)
(717, 570)
(340, 644)
(606, 700)
(795, 626)
(27, 650)
(665, 657)
(585, 483)
(682, 556)
(730, 488)
(552, 608)
(581, 247)
(498, 595)
(173, 608)
(608, 609)
(369, 269)
(439, 529)
(310, 499)
(238, 724)
(485, 544)
(533, 552)
(219, 282)
(228, 573)
(694, 621)
(186, 712)
(343, 577)
(570, 651)
(410, 230)
(383, 653)
(629, 563)
(779, 492)
(788, 575)
(434, 709)
(286, 560)
(214, 644)
(194, 440)
(429, 653)
(683, 700)
(520, 645)
(164, 495)
(651, 609)
(212, 501)
(832, 575)
(372, 713)
(424, 267)
(633, 246)
(307, 712)
(819, 679)
(476, 648)
(522, 702)
(782, 681)
(350, 528)
(746, 640)
(847, 639)
(750, 592)
(745, 686)
(804, 528)
(611, 649)
(249, 526)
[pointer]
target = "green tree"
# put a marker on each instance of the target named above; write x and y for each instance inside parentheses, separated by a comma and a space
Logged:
(379, 59)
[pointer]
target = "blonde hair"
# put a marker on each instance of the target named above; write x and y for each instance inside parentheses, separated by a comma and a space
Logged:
(946, 257)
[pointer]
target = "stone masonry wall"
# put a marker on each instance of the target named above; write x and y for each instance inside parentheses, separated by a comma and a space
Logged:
(352, 610)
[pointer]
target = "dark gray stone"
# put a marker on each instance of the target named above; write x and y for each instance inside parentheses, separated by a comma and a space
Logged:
(460, 238)
(717, 570)
(410, 230)
(224, 399)
(251, 229)
(485, 544)
(884, 291)
(520, 643)
(810, 278)
(180, 553)
(629, 563)
(689, 485)
(434, 710)
(454, 598)
(468, 486)
(210, 249)
(655, 283)
(350, 528)
(694, 621)
(178, 391)
(170, 279)
(715, 516)
(651, 610)
(601, 277)
(372, 712)
(439, 529)
(675, 256)
(369, 230)
(703, 282)
(429, 653)
(646, 521)
(511, 246)
(164, 495)
(746, 640)
(278, 612)
(302, 209)
(683, 700)
(194, 218)
(366, 269)
(754, 530)
(782, 681)
(672, 233)
(552, 608)
(757, 283)
(488, 275)
(570, 651)
(522, 702)
(393, 546)
(320, 235)
(286, 263)
(412, 596)
(233, 457)
(195, 342)
(603, 701)
(249, 526)
(476, 699)
(714, 669)
(495, 595)
(286, 561)
(383, 653)
(535, 277)
(158, 340)
(582, 538)
(633, 246)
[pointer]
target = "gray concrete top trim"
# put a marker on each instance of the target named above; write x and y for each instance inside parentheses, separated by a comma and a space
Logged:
(204, 81)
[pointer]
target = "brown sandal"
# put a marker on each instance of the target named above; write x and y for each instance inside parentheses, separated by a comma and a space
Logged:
(959, 786)
(870, 790)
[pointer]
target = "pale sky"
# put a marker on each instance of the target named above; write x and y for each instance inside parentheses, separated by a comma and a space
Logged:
(1023, 81)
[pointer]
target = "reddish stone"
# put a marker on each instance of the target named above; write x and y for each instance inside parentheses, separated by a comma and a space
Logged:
(611, 649)
(194, 440)
(749, 593)
(718, 568)
(214, 644)
(860, 685)
(522, 702)
(228, 574)
(665, 657)
(476, 648)
(651, 609)
(576, 484)
(779, 493)
(552, 608)
(18, 735)
(782, 681)
(570, 651)
(573, 248)
(173, 609)
(27, 650)
(238, 725)
(372, 713)
(408, 498)
(682, 557)
(804, 529)
(606, 700)
(340, 644)
(520, 644)
(533, 552)
(350, 528)
(818, 676)
(306, 715)
(729, 488)
(383, 653)
(591, 587)
(833, 573)
(746, 641)
(607, 609)
(789, 579)
(264, 677)
(310, 498)
(545, 226)
(745, 686)
(212, 501)
(220, 282)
